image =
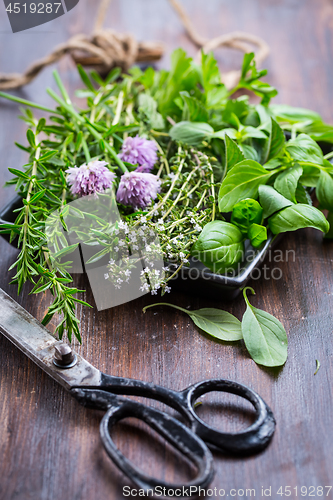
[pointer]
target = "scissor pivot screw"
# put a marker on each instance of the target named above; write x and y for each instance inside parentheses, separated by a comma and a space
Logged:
(64, 356)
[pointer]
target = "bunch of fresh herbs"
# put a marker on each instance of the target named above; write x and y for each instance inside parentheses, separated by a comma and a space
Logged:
(229, 171)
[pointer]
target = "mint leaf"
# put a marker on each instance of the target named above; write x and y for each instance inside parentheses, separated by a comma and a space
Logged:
(219, 246)
(192, 133)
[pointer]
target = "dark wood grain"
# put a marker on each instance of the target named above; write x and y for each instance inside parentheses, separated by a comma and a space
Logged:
(49, 445)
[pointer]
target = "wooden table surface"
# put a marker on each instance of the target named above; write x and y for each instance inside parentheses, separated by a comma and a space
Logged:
(49, 445)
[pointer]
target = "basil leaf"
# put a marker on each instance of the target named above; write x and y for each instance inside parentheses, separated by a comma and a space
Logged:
(292, 115)
(329, 234)
(310, 175)
(275, 142)
(192, 133)
(264, 336)
(245, 213)
(233, 154)
(219, 247)
(241, 182)
(286, 182)
(324, 190)
(272, 201)
(222, 134)
(297, 217)
(303, 148)
(248, 58)
(257, 234)
(249, 152)
(219, 324)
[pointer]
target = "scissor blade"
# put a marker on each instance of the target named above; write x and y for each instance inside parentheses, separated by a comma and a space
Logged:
(34, 340)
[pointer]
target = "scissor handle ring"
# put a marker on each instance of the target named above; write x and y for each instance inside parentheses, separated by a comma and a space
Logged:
(253, 439)
(177, 434)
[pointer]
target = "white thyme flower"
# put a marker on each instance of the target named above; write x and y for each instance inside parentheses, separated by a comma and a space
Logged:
(121, 243)
(106, 275)
(153, 292)
(167, 289)
(128, 272)
(135, 247)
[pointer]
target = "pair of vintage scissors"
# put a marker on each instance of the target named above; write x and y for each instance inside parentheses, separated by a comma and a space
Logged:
(97, 390)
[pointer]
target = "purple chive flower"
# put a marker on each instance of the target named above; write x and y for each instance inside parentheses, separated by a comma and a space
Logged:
(90, 179)
(138, 189)
(139, 151)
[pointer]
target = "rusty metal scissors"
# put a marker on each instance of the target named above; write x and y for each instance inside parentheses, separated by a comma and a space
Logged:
(97, 390)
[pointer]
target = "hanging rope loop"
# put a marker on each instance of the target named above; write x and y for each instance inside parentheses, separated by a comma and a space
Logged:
(106, 49)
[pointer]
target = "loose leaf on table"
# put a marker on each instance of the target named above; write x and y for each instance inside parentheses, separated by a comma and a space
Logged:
(220, 246)
(286, 182)
(257, 234)
(245, 213)
(192, 133)
(241, 182)
(303, 148)
(297, 217)
(264, 336)
(272, 201)
(220, 324)
(324, 190)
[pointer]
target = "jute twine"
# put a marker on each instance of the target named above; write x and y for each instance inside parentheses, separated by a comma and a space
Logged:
(106, 49)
